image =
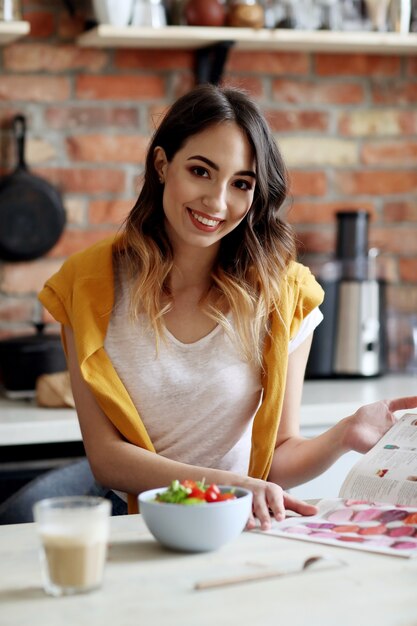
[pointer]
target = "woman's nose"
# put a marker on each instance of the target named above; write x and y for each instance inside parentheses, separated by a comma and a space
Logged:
(216, 197)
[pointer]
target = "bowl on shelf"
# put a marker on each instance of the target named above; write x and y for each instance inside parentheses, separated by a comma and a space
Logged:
(196, 528)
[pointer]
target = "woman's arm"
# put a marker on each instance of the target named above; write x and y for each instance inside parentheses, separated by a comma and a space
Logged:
(297, 460)
(120, 465)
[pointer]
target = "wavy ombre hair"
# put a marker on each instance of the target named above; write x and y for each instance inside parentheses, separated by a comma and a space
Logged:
(252, 259)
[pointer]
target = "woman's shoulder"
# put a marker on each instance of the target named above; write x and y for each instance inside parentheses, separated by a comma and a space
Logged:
(94, 263)
(297, 272)
(94, 259)
(302, 287)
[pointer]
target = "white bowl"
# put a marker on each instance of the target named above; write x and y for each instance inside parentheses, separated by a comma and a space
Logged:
(196, 528)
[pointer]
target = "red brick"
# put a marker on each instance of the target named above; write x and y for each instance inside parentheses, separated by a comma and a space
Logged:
(69, 27)
(400, 211)
(251, 84)
(7, 113)
(154, 59)
(89, 87)
(21, 278)
(411, 66)
(376, 182)
(75, 240)
(34, 88)
(378, 122)
(395, 93)
(408, 270)
(182, 83)
(68, 117)
(155, 115)
(402, 298)
(107, 148)
(389, 153)
(315, 241)
(85, 180)
(287, 120)
(395, 239)
(304, 183)
(52, 58)
(42, 23)
(265, 62)
(109, 211)
(357, 65)
(300, 92)
(319, 212)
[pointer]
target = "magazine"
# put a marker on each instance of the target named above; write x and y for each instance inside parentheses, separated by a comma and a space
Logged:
(377, 505)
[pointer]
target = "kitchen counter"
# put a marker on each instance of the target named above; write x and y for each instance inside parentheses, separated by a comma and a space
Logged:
(324, 403)
(327, 401)
(147, 584)
(22, 422)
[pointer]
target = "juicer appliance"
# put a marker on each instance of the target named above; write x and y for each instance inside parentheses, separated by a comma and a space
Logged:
(350, 341)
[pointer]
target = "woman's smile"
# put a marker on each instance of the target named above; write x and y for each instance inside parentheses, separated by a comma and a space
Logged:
(204, 222)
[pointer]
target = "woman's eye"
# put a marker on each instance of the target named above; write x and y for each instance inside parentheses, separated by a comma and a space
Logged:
(243, 184)
(199, 171)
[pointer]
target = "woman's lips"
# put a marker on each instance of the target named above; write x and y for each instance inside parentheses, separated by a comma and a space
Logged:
(204, 222)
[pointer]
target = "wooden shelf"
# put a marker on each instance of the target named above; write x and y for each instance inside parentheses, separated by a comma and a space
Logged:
(193, 37)
(10, 31)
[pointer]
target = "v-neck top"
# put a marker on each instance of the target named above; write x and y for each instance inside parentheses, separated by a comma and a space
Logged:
(197, 400)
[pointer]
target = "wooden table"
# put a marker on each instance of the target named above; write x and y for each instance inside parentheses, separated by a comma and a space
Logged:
(146, 584)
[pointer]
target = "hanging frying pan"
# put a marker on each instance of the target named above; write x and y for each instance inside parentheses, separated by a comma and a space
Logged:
(32, 216)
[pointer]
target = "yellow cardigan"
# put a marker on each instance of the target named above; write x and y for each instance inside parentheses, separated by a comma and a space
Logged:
(81, 295)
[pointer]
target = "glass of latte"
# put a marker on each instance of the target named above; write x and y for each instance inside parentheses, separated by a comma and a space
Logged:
(74, 534)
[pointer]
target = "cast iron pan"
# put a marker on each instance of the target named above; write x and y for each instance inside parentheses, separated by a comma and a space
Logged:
(32, 216)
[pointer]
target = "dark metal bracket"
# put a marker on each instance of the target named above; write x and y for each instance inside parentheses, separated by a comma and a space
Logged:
(210, 62)
(70, 7)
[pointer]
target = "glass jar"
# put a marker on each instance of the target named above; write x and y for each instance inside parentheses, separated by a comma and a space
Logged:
(10, 10)
(245, 14)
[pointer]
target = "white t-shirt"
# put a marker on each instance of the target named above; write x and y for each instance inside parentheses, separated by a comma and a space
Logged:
(197, 400)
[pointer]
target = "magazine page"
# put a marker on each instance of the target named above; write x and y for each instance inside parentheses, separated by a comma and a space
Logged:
(388, 472)
(368, 526)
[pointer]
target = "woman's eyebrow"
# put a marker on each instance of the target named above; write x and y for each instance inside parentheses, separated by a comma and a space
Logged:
(216, 167)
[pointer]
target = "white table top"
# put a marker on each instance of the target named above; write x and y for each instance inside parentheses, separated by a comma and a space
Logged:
(324, 403)
(146, 584)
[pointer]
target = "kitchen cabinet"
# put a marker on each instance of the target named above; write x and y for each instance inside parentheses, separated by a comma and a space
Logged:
(10, 31)
(195, 37)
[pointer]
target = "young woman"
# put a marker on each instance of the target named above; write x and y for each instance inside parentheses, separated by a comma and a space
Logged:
(187, 335)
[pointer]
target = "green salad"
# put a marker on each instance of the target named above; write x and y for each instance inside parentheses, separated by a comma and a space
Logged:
(193, 492)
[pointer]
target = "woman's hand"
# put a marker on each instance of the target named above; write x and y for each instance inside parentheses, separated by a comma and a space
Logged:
(269, 500)
(368, 424)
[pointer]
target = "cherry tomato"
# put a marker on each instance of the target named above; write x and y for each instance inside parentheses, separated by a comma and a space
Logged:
(194, 489)
(226, 496)
(212, 493)
(189, 484)
(197, 493)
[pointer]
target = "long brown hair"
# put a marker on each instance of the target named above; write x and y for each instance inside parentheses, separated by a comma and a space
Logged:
(252, 258)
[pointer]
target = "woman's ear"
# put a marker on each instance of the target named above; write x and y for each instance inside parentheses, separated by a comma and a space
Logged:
(160, 162)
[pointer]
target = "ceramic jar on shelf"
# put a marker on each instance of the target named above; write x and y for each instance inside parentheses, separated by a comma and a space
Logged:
(245, 14)
(205, 13)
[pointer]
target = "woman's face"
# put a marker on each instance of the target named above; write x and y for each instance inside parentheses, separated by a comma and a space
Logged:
(208, 186)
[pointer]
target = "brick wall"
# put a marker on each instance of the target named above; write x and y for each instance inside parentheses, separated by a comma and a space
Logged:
(347, 126)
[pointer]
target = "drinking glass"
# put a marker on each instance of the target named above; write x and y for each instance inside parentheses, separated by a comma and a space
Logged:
(73, 534)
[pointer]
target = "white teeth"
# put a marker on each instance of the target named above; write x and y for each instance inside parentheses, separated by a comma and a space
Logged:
(204, 220)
